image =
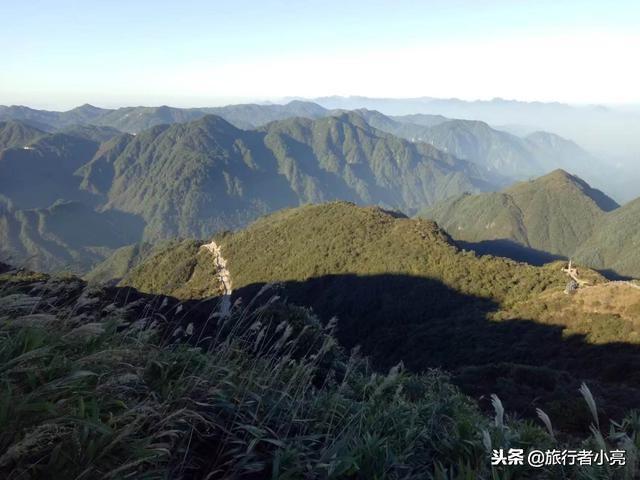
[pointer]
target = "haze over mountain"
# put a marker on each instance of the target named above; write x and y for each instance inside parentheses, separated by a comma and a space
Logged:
(17, 134)
(37, 176)
(616, 128)
(136, 119)
(503, 153)
(551, 215)
(611, 133)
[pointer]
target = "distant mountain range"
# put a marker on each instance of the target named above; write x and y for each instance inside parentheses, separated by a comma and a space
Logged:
(610, 133)
(196, 178)
(14, 134)
(137, 119)
(503, 153)
(495, 150)
(615, 129)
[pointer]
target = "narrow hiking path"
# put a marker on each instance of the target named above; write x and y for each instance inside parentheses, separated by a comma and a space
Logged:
(223, 275)
(625, 282)
(572, 272)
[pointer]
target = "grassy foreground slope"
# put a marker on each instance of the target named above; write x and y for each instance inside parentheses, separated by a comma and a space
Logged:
(110, 383)
(403, 292)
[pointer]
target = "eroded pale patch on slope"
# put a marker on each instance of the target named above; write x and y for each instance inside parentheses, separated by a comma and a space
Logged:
(223, 276)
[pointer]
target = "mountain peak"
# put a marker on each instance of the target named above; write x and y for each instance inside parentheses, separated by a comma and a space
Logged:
(87, 108)
(558, 173)
(565, 183)
(533, 220)
(559, 178)
(215, 123)
(352, 117)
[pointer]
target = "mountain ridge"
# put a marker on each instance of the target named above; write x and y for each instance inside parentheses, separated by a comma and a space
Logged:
(552, 214)
(403, 291)
(196, 178)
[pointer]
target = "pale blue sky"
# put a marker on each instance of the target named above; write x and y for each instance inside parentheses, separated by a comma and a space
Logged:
(61, 53)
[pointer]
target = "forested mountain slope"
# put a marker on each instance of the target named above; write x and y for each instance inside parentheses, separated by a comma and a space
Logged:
(615, 242)
(553, 215)
(404, 292)
(196, 178)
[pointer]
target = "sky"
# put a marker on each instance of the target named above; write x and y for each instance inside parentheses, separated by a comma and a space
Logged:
(61, 53)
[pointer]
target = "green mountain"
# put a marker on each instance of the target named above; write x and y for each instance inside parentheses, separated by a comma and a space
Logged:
(246, 116)
(423, 119)
(478, 142)
(39, 175)
(497, 151)
(137, 119)
(51, 120)
(15, 134)
(553, 151)
(66, 236)
(91, 132)
(409, 127)
(250, 116)
(551, 215)
(502, 153)
(404, 292)
(615, 242)
(124, 259)
(197, 178)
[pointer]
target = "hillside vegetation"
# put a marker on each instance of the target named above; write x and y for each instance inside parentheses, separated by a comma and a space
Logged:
(137, 119)
(552, 215)
(17, 135)
(121, 262)
(194, 179)
(109, 383)
(67, 236)
(504, 154)
(404, 292)
(206, 175)
(615, 242)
